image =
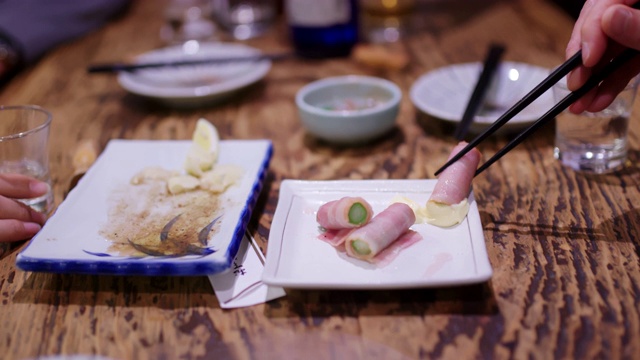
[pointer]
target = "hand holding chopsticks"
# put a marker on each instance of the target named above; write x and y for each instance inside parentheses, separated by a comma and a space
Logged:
(553, 78)
(604, 30)
(540, 89)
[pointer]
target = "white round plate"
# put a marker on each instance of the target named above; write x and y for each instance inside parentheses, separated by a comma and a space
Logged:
(195, 84)
(444, 92)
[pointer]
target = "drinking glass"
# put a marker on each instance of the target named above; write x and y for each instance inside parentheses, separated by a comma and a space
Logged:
(386, 21)
(245, 19)
(24, 148)
(187, 20)
(594, 142)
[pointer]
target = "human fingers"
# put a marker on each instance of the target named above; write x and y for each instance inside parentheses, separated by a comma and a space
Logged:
(593, 40)
(578, 77)
(611, 87)
(602, 96)
(19, 186)
(589, 37)
(12, 209)
(581, 105)
(16, 230)
(581, 74)
(622, 24)
(574, 41)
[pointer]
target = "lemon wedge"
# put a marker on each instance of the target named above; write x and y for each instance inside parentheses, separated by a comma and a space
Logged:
(203, 153)
(206, 136)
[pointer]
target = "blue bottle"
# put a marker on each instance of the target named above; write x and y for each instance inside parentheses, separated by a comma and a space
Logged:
(322, 28)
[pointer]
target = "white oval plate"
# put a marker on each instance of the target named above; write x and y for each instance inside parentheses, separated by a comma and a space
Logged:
(197, 84)
(444, 93)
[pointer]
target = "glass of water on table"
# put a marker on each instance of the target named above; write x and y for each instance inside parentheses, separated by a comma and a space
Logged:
(24, 142)
(594, 142)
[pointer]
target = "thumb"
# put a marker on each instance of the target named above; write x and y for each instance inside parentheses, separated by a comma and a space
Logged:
(622, 24)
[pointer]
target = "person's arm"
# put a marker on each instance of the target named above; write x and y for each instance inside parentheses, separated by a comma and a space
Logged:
(10, 60)
(603, 28)
(30, 28)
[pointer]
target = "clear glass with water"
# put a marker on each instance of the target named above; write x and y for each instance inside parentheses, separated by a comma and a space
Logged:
(594, 142)
(24, 148)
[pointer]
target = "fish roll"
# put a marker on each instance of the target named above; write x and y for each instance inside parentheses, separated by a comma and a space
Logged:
(345, 213)
(367, 241)
(448, 204)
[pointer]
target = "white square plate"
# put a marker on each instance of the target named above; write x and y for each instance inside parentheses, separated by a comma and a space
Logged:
(70, 242)
(296, 258)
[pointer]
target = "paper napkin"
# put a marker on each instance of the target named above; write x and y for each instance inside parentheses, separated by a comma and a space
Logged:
(242, 285)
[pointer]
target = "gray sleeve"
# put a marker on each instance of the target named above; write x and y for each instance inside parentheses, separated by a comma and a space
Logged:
(36, 26)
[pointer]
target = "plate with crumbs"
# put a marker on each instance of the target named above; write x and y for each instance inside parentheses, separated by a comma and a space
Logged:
(114, 223)
(297, 258)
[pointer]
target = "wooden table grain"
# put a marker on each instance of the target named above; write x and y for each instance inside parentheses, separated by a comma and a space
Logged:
(565, 247)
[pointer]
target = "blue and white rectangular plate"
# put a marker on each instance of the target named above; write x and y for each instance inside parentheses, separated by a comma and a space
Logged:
(297, 258)
(108, 225)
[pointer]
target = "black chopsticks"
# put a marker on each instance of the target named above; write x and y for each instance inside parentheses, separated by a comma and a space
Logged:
(118, 67)
(490, 64)
(540, 89)
(592, 82)
(547, 83)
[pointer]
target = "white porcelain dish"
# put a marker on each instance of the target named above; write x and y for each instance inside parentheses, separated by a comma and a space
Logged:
(296, 258)
(349, 109)
(186, 86)
(72, 242)
(444, 92)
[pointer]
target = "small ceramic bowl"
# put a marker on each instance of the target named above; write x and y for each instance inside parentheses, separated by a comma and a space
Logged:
(349, 109)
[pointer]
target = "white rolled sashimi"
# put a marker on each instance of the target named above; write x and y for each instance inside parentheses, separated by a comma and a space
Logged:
(345, 213)
(448, 204)
(367, 241)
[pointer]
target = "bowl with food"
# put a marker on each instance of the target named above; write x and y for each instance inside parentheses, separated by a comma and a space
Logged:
(349, 109)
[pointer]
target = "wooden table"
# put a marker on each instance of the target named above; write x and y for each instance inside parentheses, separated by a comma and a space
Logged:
(564, 247)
